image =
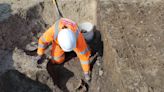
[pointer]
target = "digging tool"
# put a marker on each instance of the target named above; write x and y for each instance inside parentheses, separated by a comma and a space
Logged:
(59, 14)
(92, 59)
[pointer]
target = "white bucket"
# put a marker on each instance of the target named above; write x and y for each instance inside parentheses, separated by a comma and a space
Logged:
(86, 29)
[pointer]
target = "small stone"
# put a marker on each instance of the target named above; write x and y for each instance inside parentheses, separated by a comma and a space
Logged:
(98, 62)
(101, 72)
(149, 12)
(141, 22)
(147, 39)
(132, 45)
(98, 88)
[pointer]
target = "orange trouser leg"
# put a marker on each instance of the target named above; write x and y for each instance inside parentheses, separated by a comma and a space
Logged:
(57, 54)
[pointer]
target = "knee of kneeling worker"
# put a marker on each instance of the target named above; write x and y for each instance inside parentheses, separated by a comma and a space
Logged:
(58, 61)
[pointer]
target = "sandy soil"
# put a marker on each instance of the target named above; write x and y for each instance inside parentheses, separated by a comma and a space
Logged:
(133, 50)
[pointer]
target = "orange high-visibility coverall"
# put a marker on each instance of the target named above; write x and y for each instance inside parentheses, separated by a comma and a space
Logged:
(57, 53)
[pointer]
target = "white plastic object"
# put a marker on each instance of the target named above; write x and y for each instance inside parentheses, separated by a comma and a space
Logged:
(67, 40)
(87, 30)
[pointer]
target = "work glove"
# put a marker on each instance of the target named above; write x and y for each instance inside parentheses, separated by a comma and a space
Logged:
(39, 59)
(87, 77)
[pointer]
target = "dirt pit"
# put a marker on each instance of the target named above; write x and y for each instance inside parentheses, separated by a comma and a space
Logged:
(127, 50)
(23, 22)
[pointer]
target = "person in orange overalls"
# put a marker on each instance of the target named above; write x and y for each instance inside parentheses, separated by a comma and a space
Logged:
(65, 37)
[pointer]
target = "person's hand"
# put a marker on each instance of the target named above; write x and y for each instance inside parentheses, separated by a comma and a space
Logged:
(39, 59)
(87, 77)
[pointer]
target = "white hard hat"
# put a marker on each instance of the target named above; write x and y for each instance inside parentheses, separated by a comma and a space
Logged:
(67, 40)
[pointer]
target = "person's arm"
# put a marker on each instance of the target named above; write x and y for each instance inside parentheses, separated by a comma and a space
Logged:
(83, 53)
(45, 39)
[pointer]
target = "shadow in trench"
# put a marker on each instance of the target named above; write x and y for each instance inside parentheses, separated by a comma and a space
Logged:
(60, 75)
(13, 28)
(5, 11)
(96, 46)
(16, 32)
(6, 61)
(14, 81)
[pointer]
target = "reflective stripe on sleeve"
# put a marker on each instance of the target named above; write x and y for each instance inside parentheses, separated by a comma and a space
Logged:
(41, 46)
(57, 58)
(84, 62)
(85, 51)
(43, 39)
(56, 29)
(77, 33)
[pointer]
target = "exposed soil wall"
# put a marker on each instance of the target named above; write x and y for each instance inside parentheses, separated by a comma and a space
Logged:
(133, 49)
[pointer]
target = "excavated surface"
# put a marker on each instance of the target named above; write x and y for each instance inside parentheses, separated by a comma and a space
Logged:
(133, 45)
(22, 22)
(128, 35)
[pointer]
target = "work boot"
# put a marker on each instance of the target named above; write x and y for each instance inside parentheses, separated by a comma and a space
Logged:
(87, 77)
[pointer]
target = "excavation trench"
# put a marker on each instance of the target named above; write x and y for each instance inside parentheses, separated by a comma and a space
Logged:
(127, 50)
(22, 24)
